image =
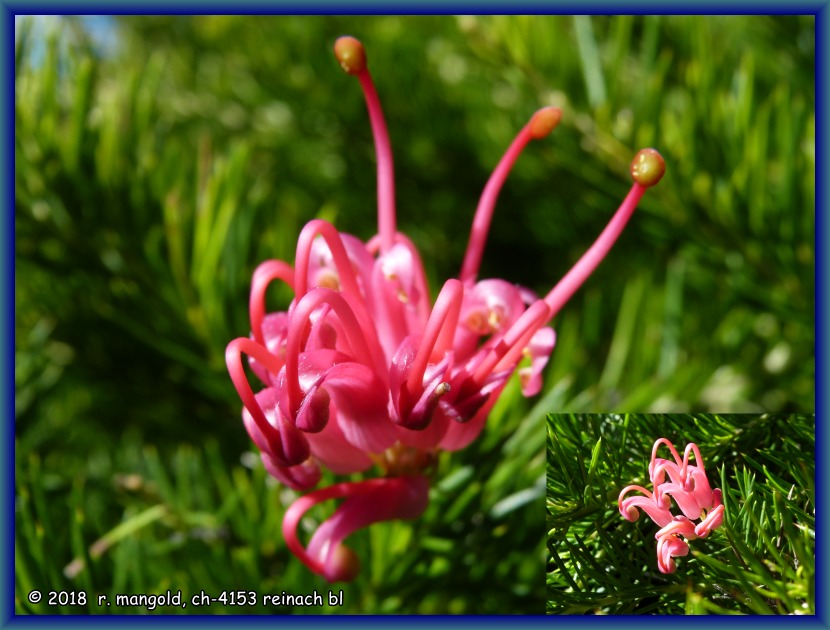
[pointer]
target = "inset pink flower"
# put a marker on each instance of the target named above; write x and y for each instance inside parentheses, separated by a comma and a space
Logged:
(688, 486)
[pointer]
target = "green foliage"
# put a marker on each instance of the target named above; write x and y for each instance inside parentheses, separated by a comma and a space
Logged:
(151, 179)
(760, 561)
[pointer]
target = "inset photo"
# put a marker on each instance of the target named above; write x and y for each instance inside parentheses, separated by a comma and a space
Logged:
(680, 514)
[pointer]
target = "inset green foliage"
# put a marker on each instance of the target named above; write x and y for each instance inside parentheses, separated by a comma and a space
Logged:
(760, 561)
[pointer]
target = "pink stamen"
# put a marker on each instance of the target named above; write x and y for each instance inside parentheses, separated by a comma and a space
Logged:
(438, 335)
(574, 279)
(346, 273)
(540, 125)
(352, 57)
(264, 274)
(647, 169)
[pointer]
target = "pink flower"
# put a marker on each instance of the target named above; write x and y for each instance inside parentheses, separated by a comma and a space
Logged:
(689, 487)
(362, 370)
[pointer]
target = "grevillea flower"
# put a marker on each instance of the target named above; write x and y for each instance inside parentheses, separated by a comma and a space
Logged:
(689, 487)
(362, 370)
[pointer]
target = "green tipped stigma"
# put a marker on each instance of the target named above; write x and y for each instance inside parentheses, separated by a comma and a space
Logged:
(544, 121)
(648, 167)
(351, 54)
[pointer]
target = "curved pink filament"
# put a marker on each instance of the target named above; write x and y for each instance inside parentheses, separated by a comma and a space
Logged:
(539, 125)
(652, 468)
(691, 446)
(567, 286)
(439, 332)
(263, 275)
(386, 171)
(233, 359)
(346, 273)
(312, 229)
(302, 505)
(299, 320)
(367, 502)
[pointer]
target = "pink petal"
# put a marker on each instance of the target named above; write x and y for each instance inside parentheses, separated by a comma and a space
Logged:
(331, 448)
(274, 332)
(700, 487)
(712, 521)
(300, 477)
(539, 349)
(292, 448)
(489, 307)
(685, 500)
(361, 402)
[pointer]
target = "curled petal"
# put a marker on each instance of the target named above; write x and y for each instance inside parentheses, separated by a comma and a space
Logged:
(366, 502)
(656, 461)
(628, 507)
(685, 500)
(680, 526)
(712, 521)
(670, 547)
(416, 279)
(470, 415)
(331, 448)
(491, 305)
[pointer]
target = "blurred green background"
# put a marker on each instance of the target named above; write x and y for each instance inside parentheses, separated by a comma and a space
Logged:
(157, 166)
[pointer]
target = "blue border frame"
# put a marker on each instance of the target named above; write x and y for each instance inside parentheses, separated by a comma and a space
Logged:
(7, 12)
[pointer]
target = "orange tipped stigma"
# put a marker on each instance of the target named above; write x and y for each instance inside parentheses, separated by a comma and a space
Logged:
(648, 167)
(351, 54)
(544, 121)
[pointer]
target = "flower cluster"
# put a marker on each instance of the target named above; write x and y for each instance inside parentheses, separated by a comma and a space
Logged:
(688, 486)
(362, 370)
